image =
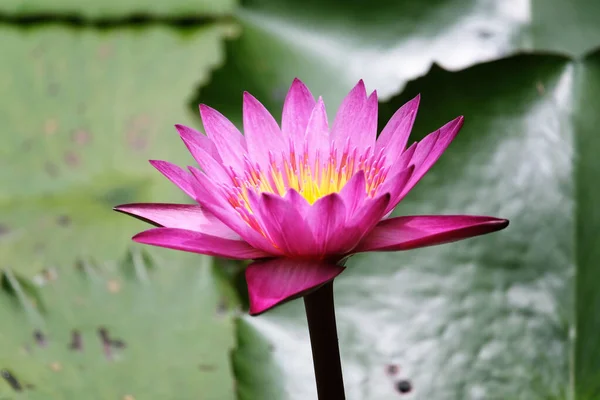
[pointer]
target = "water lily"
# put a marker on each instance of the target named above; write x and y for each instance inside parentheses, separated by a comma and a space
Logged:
(301, 198)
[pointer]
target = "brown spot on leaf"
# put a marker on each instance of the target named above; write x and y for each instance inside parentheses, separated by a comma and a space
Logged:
(81, 137)
(40, 338)
(79, 265)
(109, 343)
(4, 230)
(113, 286)
(72, 159)
(55, 366)
(128, 397)
(103, 333)
(136, 141)
(541, 89)
(12, 381)
(207, 367)
(51, 169)
(392, 369)
(50, 274)
(104, 338)
(63, 220)
(105, 51)
(76, 341)
(136, 132)
(50, 126)
(404, 386)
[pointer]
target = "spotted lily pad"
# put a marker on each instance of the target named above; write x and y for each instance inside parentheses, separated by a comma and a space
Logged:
(149, 327)
(82, 111)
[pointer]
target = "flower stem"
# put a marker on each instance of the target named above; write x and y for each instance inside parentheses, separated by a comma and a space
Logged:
(320, 314)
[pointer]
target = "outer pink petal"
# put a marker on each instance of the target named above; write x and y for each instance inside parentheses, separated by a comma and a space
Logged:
(182, 216)
(272, 282)
(196, 242)
(209, 165)
(354, 192)
(405, 233)
(227, 138)
(403, 161)
(326, 218)
(176, 175)
(298, 202)
(264, 221)
(362, 128)
(349, 114)
(394, 136)
(211, 197)
(262, 133)
(363, 220)
(208, 193)
(194, 139)
(317, 134)
(395, 186)
(282, 217)
(430, 149)
(297, 109)
(369, 214)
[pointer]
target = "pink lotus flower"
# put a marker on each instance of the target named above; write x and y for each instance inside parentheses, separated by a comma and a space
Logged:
(302, 198)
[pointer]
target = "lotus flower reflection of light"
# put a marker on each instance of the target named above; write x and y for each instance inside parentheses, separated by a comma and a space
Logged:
(302, 198)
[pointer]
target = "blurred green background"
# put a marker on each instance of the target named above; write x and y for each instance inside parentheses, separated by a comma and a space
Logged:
(90, 90)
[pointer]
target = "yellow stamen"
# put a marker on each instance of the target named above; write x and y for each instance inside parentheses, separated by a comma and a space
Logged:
(312, 180)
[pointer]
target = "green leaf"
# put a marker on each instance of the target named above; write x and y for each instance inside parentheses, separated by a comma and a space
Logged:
(148, 328)
(568, 27)
(492, 317)
(330, 45)
(82, 111)
(252, 362)
(119, 9)
(587, 232)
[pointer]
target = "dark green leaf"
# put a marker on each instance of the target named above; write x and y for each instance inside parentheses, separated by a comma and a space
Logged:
(331, 44)
(586, 117)
(492, 317)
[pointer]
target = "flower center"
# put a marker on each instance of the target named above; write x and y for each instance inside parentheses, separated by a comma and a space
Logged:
(311, 178)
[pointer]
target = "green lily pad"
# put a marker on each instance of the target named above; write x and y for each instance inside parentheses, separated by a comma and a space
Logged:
(330, 45)
(90, 9)
(587, 219)
(149, 327)
(82, 112)
(488, 318)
